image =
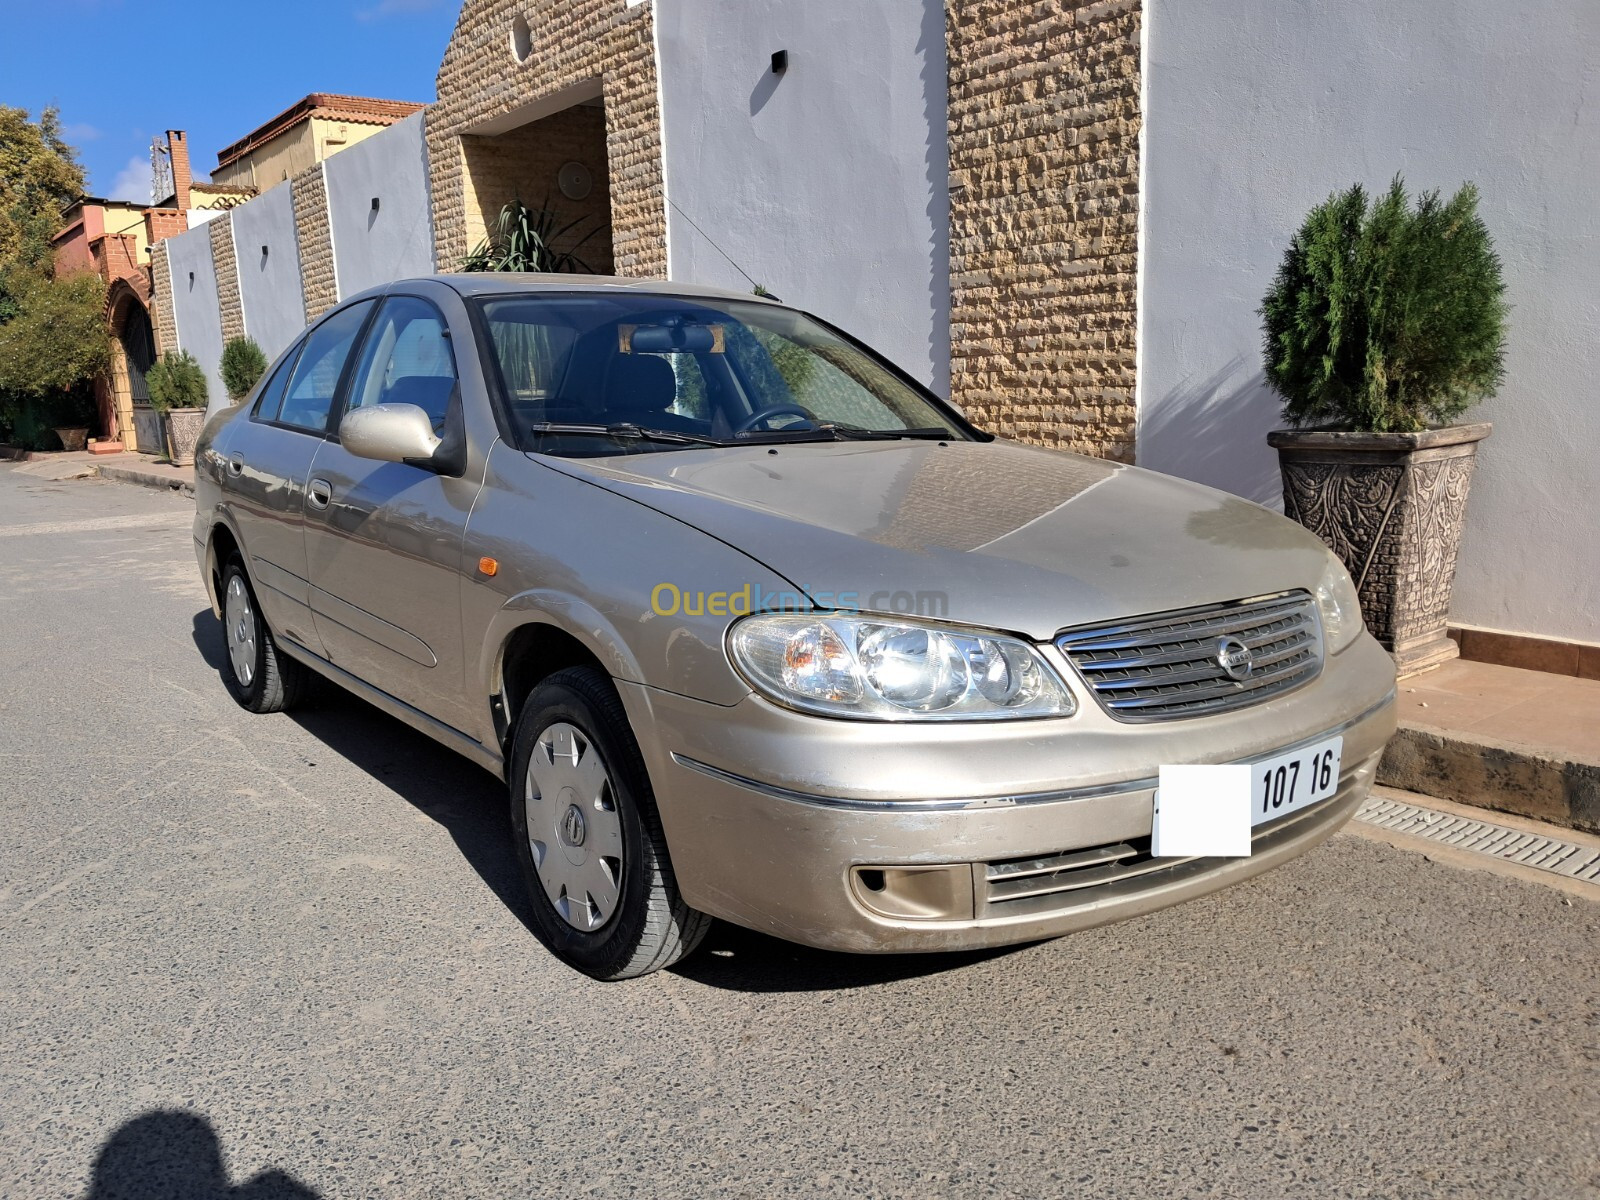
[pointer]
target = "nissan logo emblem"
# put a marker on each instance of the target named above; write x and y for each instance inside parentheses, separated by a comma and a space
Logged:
(573, 827)
(1234, 657)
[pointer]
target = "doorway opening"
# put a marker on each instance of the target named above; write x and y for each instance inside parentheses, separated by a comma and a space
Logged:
(551, 156)
(133, 353)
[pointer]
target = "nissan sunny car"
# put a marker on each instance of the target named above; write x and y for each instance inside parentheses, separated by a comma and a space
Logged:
(753, 626)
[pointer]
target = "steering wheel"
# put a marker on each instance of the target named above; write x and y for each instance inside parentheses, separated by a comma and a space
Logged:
(760, 416)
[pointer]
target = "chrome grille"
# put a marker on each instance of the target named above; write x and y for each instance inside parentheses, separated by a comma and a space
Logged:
(1168, 665)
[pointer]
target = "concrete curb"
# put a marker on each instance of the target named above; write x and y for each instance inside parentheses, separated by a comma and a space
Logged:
(145, 478)
(1491, 774)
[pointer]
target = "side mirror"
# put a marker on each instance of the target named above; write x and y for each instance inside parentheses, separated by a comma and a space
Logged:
(390, 433)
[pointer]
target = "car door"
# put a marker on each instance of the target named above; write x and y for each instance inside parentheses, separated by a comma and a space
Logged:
(269, 461)
(384, 539)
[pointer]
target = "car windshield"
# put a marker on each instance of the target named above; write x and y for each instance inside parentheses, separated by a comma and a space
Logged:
(603, 373)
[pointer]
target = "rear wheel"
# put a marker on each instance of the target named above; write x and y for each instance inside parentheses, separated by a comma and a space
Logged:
(588, 836)
(260, 677)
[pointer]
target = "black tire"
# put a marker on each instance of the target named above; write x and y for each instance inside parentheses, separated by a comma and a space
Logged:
(276, 681)
(651, 927)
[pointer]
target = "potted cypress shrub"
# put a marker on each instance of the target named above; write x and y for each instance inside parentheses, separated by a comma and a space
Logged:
(242, 365)
(1386, 322)
(178, 392)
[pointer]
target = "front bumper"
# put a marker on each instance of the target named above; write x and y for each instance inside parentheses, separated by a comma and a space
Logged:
(771, 816)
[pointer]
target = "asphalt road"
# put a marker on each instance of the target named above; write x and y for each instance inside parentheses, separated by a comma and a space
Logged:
(284, 957)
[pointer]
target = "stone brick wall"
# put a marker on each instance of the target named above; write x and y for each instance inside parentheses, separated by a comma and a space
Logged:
(308, 192)
(1044, 196)
(524, 163)
(161, 319)
(220, 230)
(572, 43)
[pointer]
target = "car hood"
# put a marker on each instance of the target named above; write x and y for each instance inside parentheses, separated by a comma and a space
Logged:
(995, 534)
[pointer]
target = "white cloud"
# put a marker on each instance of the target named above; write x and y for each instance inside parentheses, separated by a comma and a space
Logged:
(134, 182)
(80, 132)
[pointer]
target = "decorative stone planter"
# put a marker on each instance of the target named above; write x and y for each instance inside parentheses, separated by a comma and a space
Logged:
(1392, 507)
(183, 431)
(73, 439)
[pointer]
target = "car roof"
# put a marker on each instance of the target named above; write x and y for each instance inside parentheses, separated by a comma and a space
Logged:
(496, 283)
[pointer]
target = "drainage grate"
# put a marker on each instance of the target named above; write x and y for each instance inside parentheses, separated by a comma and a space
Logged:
(1512, 845)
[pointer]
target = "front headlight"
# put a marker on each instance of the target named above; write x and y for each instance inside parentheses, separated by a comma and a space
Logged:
(1340, 607)
(879, 670)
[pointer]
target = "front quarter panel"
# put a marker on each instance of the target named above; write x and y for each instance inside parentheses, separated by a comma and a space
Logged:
(589, 562)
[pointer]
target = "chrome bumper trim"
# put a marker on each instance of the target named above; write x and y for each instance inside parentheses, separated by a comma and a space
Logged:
(983, 802)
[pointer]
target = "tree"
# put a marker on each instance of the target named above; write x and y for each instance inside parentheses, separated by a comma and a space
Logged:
(39, 176)
(56, 338)
(53, 339)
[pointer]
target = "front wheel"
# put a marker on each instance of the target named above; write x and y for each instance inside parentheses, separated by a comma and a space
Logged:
(260, 677)
(588, 836)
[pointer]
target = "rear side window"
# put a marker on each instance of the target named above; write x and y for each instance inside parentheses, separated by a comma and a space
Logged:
(407, 360)
(271, 398)
(316, 376)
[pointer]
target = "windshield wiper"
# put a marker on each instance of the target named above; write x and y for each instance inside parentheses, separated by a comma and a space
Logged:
(624, 430)
(840, 432)
(930, 432)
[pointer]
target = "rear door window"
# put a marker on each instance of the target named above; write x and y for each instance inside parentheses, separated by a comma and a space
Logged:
(271, 398)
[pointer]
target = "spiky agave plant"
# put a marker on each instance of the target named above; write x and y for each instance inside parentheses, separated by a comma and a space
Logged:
(1384, 317)
(524, 239)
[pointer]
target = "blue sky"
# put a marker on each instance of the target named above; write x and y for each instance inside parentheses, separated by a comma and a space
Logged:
(122, 71)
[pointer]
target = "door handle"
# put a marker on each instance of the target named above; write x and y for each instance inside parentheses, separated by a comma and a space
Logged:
(319, 492)
(236, 464)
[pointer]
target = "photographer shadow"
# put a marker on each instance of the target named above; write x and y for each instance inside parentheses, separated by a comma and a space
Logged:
(171, 1154)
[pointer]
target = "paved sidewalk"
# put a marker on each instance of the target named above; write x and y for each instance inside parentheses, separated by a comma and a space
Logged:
(126, 467)
(1503, 738)
(56, 467)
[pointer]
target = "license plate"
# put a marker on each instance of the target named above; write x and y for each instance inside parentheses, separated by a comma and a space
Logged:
(1296, 780)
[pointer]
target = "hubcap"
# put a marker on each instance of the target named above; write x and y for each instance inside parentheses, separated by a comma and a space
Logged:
(239, 618)
(573, 827)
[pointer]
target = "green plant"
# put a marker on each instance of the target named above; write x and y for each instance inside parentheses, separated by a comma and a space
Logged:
(1385, 317)
(524, 240)
(243, 364)
(176, 381)
(55, 338)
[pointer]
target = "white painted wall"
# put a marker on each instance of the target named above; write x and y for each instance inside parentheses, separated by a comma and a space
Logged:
(1258, 109)
(195, 309)
(269, 281)
(827, 184)
(395, 241)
